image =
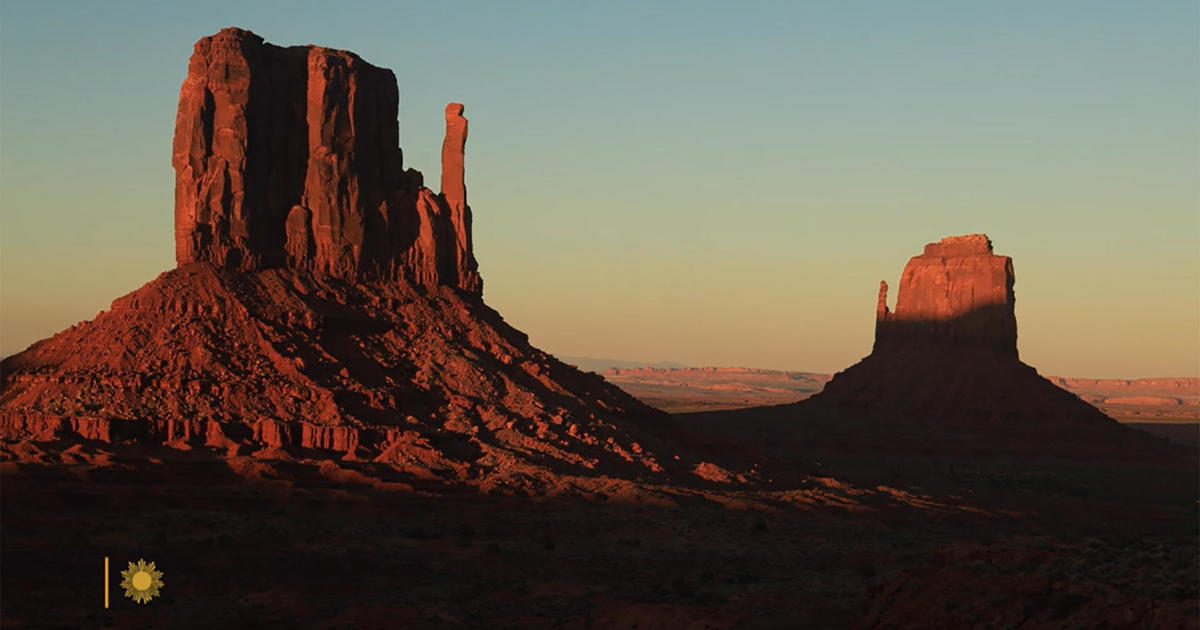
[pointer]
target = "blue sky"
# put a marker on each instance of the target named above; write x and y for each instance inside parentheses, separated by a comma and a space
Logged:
(711, 183)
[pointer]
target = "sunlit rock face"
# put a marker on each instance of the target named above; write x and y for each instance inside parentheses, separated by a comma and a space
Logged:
(955, 294)
(290, 157)
(454, 198)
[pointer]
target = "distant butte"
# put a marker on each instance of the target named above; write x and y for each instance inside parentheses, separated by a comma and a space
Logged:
(943, 377)
(946, 358)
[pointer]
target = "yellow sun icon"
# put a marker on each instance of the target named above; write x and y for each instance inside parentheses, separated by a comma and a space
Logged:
(141, 581)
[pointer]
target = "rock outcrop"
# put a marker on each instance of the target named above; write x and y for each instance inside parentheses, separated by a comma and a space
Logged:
(944, 372)
(957, 293)
(290, 157)
(325, 303)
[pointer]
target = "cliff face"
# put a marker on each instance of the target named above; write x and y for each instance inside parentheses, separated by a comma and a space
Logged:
(956, 294)
(289, 157)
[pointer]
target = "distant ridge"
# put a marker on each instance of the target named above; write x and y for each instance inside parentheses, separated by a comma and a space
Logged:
(592, 364)
(680, 390)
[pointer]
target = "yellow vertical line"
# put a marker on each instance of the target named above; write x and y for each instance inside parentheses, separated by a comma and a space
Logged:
(106, 581)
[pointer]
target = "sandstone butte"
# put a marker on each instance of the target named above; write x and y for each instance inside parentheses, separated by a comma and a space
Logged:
(325, 302)
(290, 157)
(946, 360)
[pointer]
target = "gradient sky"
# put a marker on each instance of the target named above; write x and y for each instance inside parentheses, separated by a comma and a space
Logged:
(709, 183)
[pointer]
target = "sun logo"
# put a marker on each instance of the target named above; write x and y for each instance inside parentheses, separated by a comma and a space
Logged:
(141, 581)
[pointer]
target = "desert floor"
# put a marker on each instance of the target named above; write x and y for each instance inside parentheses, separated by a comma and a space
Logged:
(1168, 407)
(852, 541)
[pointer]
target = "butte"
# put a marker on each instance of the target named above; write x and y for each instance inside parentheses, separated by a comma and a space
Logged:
(943, 378)
(326, 303)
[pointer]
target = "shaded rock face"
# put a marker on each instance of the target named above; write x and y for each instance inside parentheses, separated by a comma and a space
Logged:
(290, 157)
(956, 294)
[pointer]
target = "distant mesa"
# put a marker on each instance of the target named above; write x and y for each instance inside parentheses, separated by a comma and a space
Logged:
(325, 303)
(599, 365)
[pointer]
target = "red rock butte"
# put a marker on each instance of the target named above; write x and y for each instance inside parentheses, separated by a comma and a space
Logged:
(957, 293)
(946, 360)
(325, 301)
(290, 157)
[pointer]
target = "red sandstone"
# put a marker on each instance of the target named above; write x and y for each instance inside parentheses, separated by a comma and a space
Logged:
(289, 157)
(324, 301)
(957, 292)
(946, 360)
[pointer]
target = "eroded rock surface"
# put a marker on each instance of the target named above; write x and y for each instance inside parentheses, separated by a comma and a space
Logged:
(957, 293)
(290, 157)
(454, 196)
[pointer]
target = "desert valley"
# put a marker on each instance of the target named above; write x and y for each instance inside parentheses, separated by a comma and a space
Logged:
(315, 420)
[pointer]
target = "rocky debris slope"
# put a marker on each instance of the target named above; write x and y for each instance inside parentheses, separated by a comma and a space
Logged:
(275, 360)
(324, 302)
